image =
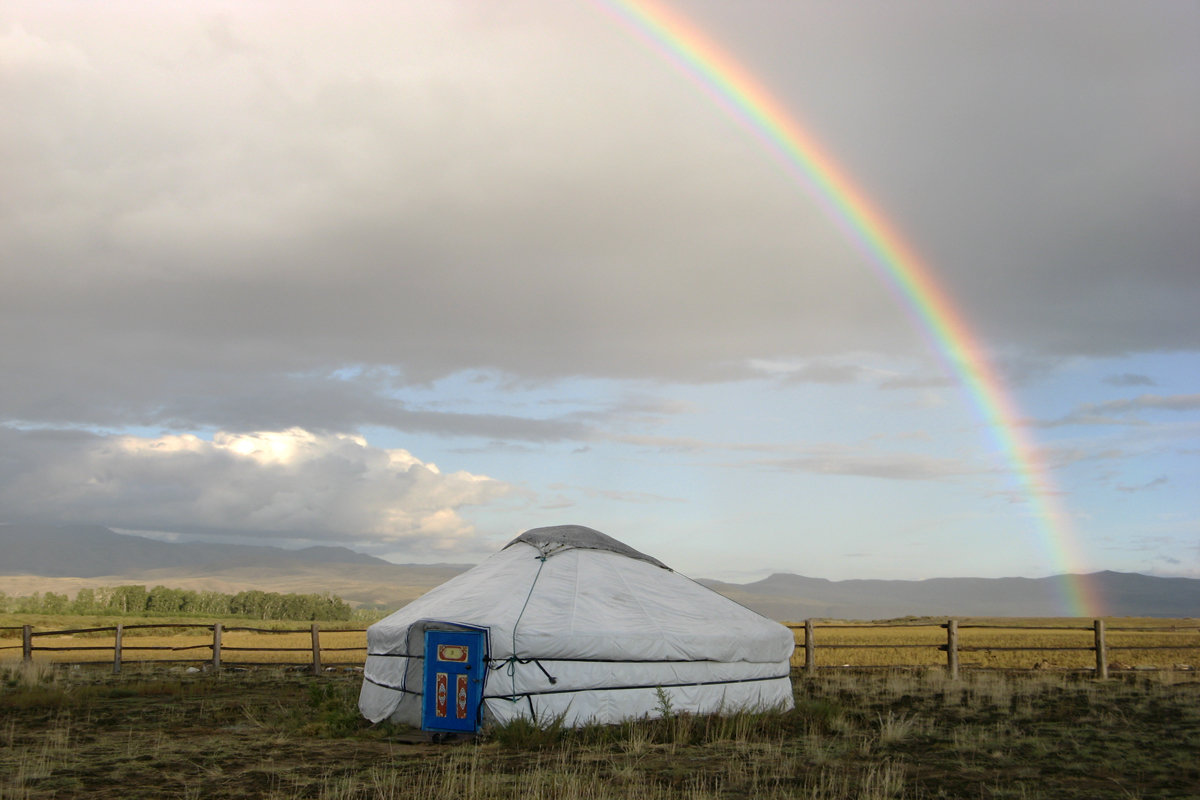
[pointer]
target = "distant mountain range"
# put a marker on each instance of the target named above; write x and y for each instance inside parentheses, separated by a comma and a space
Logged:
(86, 551)
(65, 559)
(1122, 594)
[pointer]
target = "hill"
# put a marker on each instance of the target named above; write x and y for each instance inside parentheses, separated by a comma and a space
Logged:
(64, 559)
(89, 550)
(794, 597)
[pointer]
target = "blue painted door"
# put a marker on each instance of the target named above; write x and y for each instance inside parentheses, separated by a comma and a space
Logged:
(453, 680)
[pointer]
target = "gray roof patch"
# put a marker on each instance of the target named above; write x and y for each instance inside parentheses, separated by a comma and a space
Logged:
(557, 538)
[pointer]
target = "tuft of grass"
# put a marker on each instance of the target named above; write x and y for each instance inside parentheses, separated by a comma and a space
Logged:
(820, 715)
(334, 708)
(895, 727)
(26, 674)
(523, 733)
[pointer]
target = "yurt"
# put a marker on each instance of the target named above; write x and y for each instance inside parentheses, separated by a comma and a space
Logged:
(566, 622)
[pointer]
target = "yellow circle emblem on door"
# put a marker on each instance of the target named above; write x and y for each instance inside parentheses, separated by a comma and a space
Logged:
(452, 652)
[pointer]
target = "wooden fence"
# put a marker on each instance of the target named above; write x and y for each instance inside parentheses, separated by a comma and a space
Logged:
(1187, 640)
(1183, 638)
(215, 648)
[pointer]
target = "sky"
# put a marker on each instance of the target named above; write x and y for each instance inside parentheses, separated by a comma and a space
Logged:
(414, 277)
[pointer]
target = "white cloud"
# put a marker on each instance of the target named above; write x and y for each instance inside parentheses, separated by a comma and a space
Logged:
(904, 467)
(21, 50)
(616, 496)
(293, 483)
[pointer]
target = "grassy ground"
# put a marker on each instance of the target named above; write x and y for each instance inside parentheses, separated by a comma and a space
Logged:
(157, 732)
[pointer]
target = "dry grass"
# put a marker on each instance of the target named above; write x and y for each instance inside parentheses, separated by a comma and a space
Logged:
(869, 734)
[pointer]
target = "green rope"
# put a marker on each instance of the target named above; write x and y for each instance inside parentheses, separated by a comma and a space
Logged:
(512, 659)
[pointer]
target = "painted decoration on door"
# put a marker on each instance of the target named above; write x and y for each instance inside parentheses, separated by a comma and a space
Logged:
(460, 704)
(442, 690)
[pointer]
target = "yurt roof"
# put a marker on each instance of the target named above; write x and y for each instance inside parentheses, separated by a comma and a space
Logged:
(572, 592)
(557, 538)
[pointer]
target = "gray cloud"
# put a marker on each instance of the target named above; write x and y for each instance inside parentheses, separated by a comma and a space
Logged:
(1129, 379)
(1124, 411)
(272, 399)
(1146, 402)
(1039, 201)
(201, 224)
(1161, 480)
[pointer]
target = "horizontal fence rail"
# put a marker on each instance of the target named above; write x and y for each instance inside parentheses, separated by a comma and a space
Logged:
(1188, 641)
(215, 647)
(952, 638)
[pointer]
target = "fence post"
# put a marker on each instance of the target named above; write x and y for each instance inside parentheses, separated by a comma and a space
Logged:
(810, 647)
(316, 643)
(117, 649)
(952, 648)
(1101, 651)
(27, 643)
(216, 647)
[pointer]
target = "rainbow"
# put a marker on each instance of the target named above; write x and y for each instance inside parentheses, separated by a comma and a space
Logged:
(677, 39)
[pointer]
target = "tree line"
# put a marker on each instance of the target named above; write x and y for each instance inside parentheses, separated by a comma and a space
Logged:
(137, 600)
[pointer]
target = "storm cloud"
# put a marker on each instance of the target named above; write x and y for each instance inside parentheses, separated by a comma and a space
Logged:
(524, 238)
(251, 197)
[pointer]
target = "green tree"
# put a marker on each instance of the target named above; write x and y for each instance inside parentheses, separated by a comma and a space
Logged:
(333, 607)
(164, 600)
(29, 605)
(85, 602)
(211, 604)
(248, 603)
(54, 603)
(129, 599)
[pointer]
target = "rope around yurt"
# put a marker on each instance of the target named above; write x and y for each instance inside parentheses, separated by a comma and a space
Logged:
(510, 663)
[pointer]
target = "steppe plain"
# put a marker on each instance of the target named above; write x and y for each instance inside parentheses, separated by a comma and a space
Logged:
(158, 731)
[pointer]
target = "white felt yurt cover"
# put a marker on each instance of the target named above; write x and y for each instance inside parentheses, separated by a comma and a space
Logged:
(583, 626)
